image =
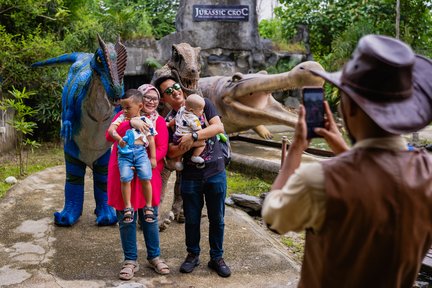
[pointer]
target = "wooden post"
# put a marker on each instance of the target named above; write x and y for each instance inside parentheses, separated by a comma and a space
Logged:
(284, 147)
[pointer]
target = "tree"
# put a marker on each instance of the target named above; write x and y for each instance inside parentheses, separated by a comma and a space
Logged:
(21, 122)
(33, 30)
(328, 19)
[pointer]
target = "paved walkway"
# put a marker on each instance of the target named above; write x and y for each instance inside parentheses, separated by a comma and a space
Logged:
(36, 253)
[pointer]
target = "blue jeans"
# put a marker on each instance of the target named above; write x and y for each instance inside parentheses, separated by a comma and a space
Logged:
(213, 190)
(128, 236)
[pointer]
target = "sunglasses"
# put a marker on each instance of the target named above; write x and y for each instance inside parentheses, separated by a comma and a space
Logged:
(171, 89)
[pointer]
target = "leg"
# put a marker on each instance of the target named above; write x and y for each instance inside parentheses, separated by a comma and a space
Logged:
(151, 239)
(105, 215)
(126, 194)
(149, 215)
(126, 176)
(199, 148)
(215, 192)
(74, 192)
(129, 246)
(192, 203)
(177, 206)
(147, 191)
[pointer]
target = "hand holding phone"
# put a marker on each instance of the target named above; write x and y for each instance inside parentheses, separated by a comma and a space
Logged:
(313, 101)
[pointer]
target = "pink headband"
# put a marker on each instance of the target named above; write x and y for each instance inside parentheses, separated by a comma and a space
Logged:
(146, 88)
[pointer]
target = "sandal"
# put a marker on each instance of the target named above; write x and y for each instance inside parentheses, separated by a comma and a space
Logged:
(128, 215)
(128, 269)
(159, 266)
(149, 217)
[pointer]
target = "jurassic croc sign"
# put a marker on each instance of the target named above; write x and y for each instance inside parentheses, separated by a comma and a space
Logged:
(233, 13)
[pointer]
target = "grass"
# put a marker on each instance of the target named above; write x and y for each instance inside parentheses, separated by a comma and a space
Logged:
(295, 244)
(48, 155)
(242, 184)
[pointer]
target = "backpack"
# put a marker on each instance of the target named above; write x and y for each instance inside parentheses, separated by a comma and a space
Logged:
(225, 147)
(224, 144)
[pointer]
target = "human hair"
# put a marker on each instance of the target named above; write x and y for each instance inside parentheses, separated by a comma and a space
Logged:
(160, 80)
(134, 94)
(194, 101)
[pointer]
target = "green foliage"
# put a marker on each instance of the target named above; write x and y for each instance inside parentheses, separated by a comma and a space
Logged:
(152, 63)
(34, 30)
(162, 14)
(295, 244)
(327, 20)
(272, 29)
(16, 54)
(20, 122)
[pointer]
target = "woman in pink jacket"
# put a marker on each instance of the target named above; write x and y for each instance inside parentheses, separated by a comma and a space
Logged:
(150, 229)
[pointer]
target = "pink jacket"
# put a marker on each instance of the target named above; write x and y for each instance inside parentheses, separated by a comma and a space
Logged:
(115, 198)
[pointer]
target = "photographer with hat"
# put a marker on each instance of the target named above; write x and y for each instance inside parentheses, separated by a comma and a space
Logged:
(368, 211)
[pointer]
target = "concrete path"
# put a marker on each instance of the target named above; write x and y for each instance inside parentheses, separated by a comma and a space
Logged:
(36, 253)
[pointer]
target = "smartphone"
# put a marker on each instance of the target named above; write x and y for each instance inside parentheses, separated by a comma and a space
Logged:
(313, 101)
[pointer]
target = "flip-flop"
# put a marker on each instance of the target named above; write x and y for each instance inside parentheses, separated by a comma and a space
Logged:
(159, 266)
(128, 269)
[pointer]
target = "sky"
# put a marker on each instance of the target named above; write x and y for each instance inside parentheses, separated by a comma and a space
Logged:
(265, 8)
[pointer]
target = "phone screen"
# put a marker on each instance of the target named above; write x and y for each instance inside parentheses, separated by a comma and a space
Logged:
(313, 100)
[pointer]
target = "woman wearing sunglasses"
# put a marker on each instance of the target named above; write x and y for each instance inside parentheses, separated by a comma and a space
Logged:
(199, 184)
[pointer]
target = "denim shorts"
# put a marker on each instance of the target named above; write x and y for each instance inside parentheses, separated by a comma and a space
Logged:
(138, 159)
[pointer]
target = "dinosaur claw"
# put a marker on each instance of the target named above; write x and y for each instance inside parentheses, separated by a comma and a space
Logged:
(105, 216)
(65, 218)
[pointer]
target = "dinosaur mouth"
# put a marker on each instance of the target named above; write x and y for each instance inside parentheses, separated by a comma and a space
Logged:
(189, 83)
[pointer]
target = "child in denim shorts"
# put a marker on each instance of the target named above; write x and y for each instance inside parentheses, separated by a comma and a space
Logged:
(132, 154)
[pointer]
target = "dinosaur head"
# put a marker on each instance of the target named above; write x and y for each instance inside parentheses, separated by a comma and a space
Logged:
(185, 65)
(245, 101)
(109, 62)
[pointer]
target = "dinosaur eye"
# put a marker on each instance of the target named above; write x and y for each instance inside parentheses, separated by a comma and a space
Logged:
(98, 59)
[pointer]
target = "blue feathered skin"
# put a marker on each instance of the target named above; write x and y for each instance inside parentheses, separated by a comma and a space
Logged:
(93, 86)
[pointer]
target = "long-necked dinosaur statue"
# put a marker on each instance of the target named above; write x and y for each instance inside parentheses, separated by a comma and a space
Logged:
(245, 101)
(94, 83)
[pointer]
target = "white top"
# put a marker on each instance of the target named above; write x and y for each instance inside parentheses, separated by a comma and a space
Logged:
(186, 122)
(137, 134)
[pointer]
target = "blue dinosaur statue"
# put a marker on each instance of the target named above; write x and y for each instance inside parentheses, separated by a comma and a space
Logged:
(93, 87)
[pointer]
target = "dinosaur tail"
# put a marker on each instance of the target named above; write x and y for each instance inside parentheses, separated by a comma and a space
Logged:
(65, 58)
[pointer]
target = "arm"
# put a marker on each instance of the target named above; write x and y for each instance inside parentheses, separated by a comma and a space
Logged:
(295, 151)
(161, 139)
(331, 132)
(152, 149)
(214, 128)
(112, 131)
(171, 123)
(108, 135)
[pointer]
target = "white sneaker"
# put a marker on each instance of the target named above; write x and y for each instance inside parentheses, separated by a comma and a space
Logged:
(178, 166)
(197, 159)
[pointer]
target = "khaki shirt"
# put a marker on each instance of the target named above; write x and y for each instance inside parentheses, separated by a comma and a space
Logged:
(301, 203)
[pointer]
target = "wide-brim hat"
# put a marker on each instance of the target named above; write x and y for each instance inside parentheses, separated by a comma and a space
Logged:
(389, 82)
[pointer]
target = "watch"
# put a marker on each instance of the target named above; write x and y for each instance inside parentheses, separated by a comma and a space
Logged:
(195, 136)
